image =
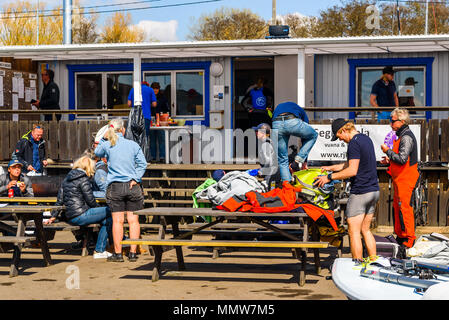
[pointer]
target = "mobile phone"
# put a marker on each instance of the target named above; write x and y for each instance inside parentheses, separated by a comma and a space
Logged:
(33, 101)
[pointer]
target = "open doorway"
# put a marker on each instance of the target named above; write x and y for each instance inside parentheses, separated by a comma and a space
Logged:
(246, 73)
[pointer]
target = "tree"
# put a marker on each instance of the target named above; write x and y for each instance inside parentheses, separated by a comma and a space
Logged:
(345, 20)
(229, 24)
(300, 26)
(19, 25)
(84, 27)
(118, 29)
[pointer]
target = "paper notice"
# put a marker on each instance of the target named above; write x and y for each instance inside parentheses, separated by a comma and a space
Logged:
(15, 84)
(28, 93)
(21, 88)
(2, 103)
(15, 106)
(32, 83)
(1, 83)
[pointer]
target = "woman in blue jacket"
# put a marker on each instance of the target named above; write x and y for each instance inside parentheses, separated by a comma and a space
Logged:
(124, 194)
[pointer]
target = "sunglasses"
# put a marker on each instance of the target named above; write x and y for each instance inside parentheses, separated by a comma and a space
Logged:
(393, 121)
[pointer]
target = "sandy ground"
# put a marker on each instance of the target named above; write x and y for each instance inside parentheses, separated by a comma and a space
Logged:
(245, 274)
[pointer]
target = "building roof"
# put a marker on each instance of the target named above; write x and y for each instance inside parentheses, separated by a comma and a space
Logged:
(227, 48)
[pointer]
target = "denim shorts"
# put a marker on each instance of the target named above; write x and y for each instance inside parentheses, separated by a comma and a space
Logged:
(120, 198)
(361, 203)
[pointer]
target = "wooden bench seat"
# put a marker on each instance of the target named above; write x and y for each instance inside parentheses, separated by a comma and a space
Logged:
(64, 226)
(240, 226)
(227, 243)
(14, 239)
(157, 244)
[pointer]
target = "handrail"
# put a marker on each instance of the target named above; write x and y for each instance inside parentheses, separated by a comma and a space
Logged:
(126, 111)
(57, 111)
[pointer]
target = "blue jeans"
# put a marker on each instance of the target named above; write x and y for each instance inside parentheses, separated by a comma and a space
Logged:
(157, 137)
(292, 127)
(101, 215)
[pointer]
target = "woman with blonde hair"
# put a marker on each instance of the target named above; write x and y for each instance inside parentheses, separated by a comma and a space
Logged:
(77, 196)
(361, 168)
(124, 194)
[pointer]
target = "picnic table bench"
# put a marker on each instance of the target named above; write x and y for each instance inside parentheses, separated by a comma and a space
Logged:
(10, 226)
(22, 214)
(172, 216)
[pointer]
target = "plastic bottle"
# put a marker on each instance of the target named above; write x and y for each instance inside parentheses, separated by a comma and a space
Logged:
(10, 193)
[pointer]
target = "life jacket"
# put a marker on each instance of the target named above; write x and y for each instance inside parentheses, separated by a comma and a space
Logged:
(407, 172)
(258, 99)
(322, 197)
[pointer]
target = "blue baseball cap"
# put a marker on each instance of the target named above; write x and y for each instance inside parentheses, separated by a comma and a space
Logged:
(263, 126)
(13, 162)
(218, 174)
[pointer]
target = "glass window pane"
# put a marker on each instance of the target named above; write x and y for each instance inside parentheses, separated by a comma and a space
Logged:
(367, 76)
(117, 89)
(88, 95)
(189, 93)
(366, 80)
(411, 76)
(164, 80)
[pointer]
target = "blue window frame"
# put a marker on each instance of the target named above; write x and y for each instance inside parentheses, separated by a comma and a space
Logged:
(409, 62)
(202, 65)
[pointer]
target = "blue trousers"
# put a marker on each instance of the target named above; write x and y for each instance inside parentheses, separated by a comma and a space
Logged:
(293, 127)
(101, 215)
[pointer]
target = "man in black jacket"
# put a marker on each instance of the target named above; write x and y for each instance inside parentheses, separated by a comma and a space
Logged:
(30, 150)
(50, 95)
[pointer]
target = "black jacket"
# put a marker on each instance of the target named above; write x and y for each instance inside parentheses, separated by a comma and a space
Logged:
(75, 194)
(50, 97)
(24, 151)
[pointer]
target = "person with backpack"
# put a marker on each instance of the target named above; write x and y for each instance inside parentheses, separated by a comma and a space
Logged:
(403, 161)
(361, 168)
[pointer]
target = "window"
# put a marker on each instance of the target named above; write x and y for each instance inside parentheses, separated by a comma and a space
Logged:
(117, 90)
(164, 80)
(185, 84)
(88, 91)
(184, 91)
(97, 90)
(366, 77)
(364, 72)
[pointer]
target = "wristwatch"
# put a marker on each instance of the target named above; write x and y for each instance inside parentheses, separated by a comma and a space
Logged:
(329, 176)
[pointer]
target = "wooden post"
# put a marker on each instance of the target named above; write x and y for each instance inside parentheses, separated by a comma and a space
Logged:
(384, 205)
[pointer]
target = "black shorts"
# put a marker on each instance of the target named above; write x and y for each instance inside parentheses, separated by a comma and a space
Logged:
(120, 198)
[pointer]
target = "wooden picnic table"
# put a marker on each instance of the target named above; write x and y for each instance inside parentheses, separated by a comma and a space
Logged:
(172, 215)
(23, 213)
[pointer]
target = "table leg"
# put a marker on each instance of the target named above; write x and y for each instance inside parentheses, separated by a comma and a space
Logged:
(179, 255)
(316, 251)
(14, 270)
(42, 239)
(302, 271)
(157, 263)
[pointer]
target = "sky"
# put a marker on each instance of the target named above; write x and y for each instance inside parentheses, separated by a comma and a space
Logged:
(174, 23)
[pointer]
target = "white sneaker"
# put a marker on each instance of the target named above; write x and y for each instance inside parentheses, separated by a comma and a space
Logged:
(102, 255)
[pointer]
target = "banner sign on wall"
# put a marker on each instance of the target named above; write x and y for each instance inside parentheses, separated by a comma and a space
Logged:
(327, 150)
